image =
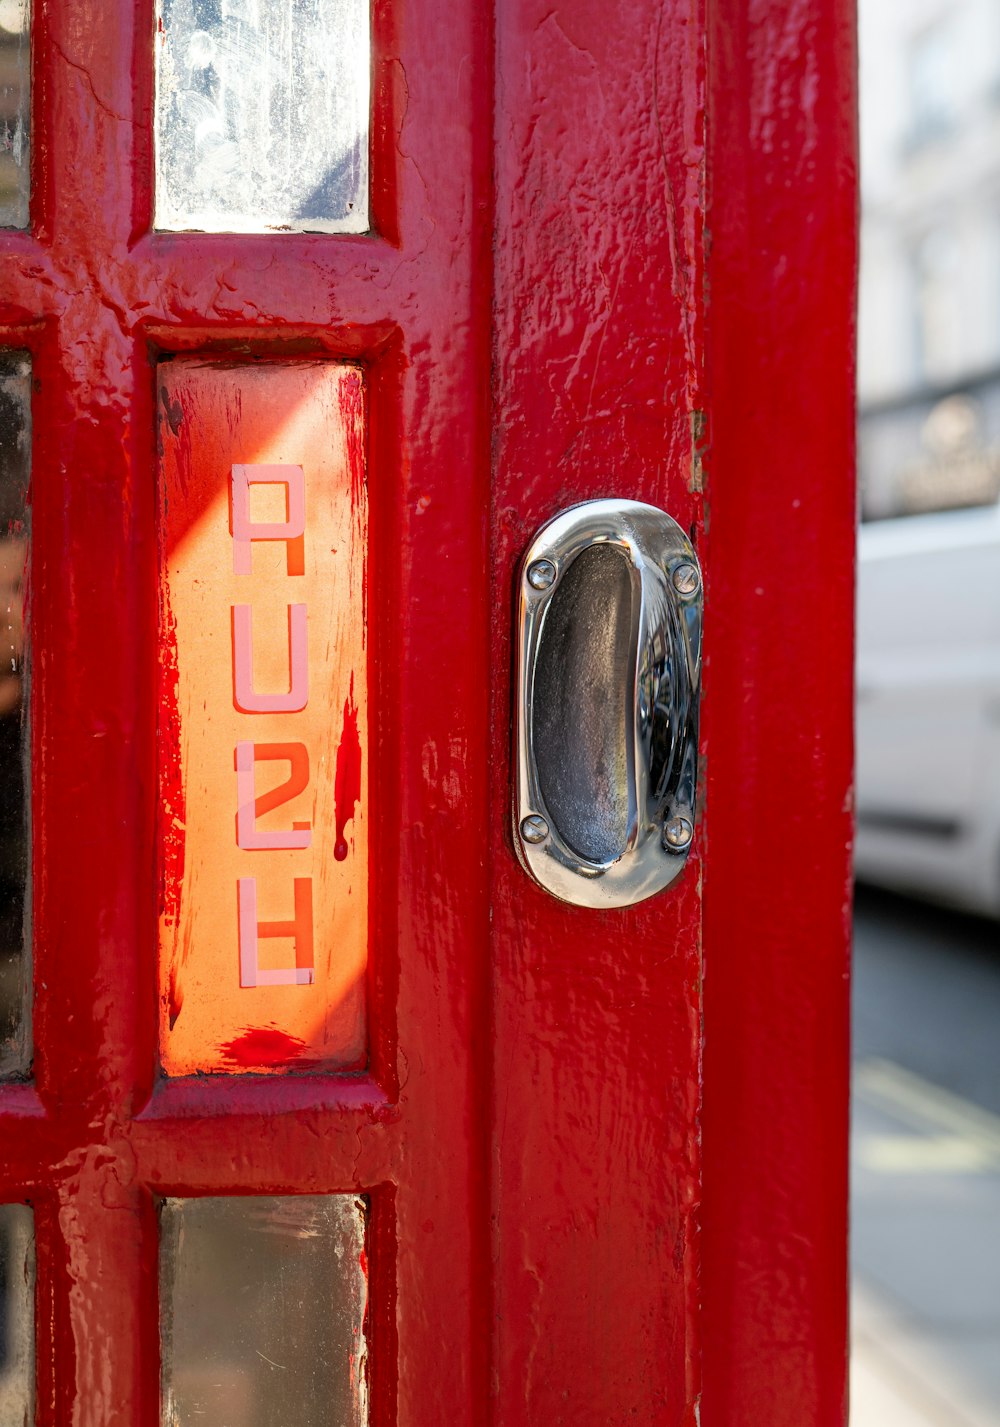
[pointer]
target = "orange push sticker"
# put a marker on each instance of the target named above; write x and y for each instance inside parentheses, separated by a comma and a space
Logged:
(263, 927)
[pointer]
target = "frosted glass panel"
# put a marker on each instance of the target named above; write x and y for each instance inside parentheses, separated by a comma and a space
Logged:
(15, 73)
(17, 1316)
(262, 1311)
(262, 115)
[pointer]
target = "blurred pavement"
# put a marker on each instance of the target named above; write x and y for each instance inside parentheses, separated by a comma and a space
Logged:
(926, 1168)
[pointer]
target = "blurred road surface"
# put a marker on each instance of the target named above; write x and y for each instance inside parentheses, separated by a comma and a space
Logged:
(926, 1167)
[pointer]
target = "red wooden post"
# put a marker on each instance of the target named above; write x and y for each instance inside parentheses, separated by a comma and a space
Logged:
(778, 712)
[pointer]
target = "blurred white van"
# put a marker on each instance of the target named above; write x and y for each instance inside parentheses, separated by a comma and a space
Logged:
(928, 706)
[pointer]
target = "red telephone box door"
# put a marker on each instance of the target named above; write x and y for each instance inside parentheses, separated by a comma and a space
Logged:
(333, 1113)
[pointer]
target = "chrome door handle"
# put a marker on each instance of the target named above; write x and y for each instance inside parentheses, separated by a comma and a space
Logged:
(609, 611)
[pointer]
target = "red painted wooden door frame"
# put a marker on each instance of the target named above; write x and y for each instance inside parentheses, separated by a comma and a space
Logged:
(675, 296)
(782, 220)
(615, 255)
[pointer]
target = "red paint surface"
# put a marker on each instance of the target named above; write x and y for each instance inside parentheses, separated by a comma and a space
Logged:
(98, 298)
(600, 371)
(171, 783)
(778, 714)
(675, 280)
(529, 1148)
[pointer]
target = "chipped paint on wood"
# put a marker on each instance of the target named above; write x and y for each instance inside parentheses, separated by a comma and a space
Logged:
(699, 441)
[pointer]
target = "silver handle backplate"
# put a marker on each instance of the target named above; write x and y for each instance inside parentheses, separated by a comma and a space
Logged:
(609, 612)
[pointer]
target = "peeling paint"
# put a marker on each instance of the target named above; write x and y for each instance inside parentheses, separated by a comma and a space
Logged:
(698, 423)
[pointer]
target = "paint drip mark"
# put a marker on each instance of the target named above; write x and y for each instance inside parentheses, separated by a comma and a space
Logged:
(352, 412)
(347, 788)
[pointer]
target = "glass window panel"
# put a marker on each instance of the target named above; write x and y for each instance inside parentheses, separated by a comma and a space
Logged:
(15, 460)
(15, 73)
(17, 1315)
(263, 727)
(262, 1311)
(262, 115)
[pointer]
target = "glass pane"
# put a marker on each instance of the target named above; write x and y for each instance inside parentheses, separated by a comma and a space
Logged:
(15, 72)
(262, 1311)
(262, 115)
(17, 1315)
(15, 459)
(263, 734)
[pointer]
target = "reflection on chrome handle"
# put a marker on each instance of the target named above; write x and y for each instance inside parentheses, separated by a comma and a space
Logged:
(609, 608)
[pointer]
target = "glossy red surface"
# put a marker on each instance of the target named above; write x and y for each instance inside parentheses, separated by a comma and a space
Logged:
(778, 714)
(599, 376)
(675, 289)
(550, 1242)
(100, 299)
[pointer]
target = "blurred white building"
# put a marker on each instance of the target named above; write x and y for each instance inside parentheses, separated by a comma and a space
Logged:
(929, 338)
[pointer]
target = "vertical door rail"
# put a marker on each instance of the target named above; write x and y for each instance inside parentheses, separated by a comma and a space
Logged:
(783, 221)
